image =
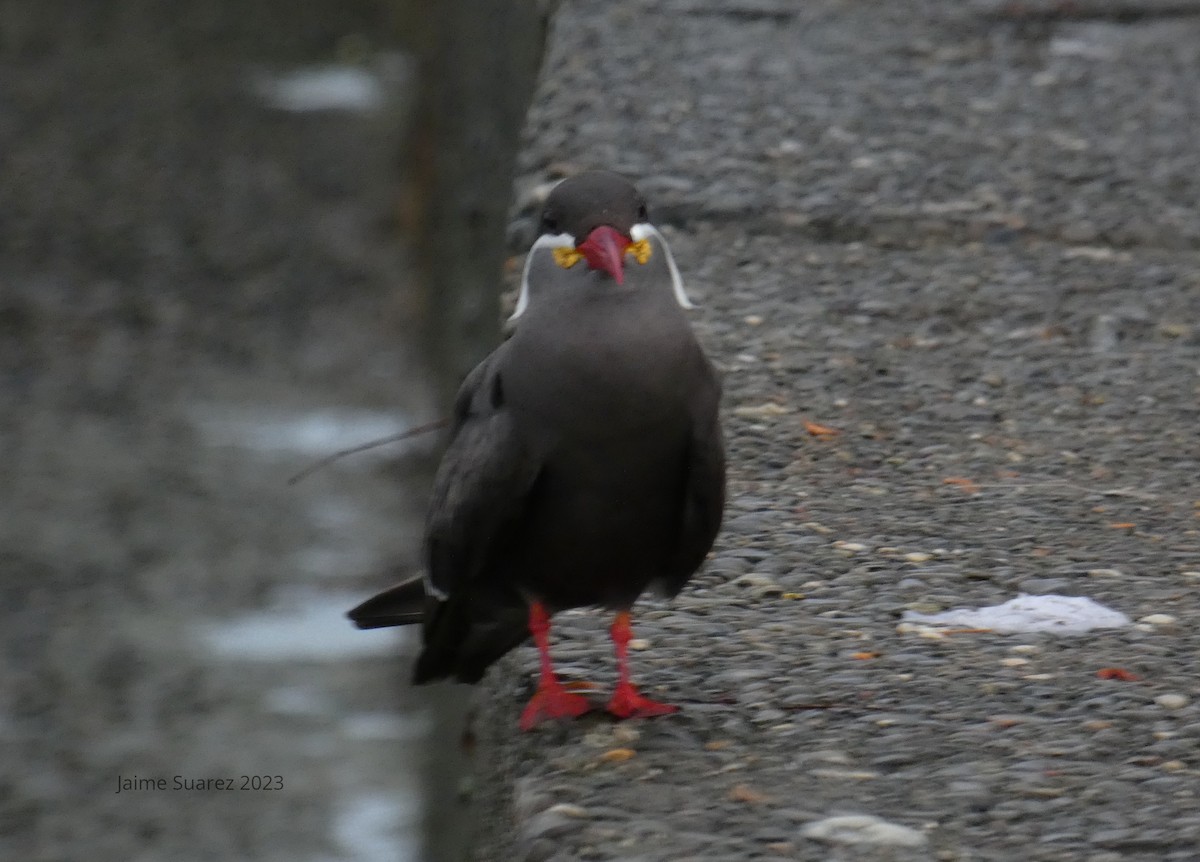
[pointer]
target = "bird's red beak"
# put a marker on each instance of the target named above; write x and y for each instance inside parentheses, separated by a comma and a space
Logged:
(604, 249)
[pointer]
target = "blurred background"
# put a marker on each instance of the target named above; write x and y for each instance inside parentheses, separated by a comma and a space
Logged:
(233, 239)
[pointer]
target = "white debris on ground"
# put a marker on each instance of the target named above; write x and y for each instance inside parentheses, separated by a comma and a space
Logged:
(1068, 615)
(862, 829)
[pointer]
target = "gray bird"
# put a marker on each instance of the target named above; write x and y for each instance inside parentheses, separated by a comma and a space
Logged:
(586, 461)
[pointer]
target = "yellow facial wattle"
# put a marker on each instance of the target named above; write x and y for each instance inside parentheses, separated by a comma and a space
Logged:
(640, 250)
(567, 257)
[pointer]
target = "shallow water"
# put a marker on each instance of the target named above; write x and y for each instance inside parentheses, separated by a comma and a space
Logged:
(303, 642)
(204, 292)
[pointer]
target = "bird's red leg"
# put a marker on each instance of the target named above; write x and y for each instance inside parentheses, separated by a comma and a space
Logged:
(551, 700)
(626, 702)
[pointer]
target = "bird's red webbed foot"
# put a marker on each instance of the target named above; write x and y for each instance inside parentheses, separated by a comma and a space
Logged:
(551, 700)
(626, 702)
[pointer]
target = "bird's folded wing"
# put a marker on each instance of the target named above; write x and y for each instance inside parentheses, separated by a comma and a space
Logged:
(703, 493)
(482, 486)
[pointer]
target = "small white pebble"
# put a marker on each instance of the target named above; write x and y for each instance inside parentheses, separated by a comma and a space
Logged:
(1025, 648)
(1174, 766)
(1038, 677)
(852, 547)
(754, 319)
(1172, 700)
(1191, 576)
(639, 643)
(761, 411)
(918, 557)
(1104, 573)
(566, 809)
(862, 829)
(626, 733)
(598, 738)
(1014, 661)
(1159, 620)
(887, 549)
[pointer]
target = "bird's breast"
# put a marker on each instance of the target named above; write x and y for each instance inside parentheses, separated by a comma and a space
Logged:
(598, 378)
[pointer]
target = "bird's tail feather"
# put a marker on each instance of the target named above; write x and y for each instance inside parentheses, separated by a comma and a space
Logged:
(462, 636)
(461, 642)
(401, 605)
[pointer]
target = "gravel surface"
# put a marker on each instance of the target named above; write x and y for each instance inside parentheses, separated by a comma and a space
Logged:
(947, 256)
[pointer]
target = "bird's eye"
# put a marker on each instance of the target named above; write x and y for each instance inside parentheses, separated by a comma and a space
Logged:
(643, 215)
(549, 225)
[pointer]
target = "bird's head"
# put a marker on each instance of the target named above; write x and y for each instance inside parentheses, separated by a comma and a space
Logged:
(597, 221)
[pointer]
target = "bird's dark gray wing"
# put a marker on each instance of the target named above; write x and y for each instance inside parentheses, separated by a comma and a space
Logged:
(480, 494)
(703, 487)
(482, 484)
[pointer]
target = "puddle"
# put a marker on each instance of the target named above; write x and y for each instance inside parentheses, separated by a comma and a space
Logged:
(322, 88)
(369, 753)
(372, 726)
(299, 700)
(345, 88)
(313, 433)
(311, 628)
(332, 563)
(370, 827)
(324, 685)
